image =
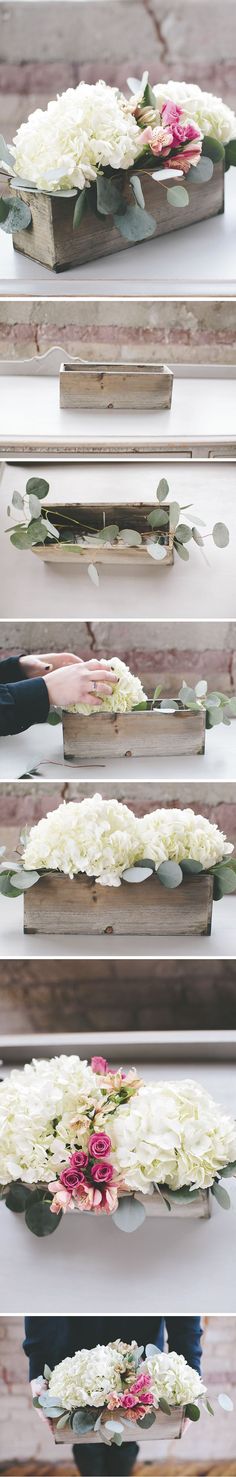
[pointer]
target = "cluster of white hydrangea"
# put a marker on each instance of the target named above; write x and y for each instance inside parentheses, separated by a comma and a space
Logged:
(103, 837)
(76, 137)
(127, 693)
(96, 836)
(171, 1133)
(91, 1374)
(37, 1109)
(172, 1379)
(178, 835)
(214, 117)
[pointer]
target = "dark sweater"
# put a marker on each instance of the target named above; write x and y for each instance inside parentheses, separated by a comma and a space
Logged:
(23, 700)
(48, 1340)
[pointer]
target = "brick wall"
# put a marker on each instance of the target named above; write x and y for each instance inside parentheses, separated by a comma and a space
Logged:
(122, 995)
(24, 804)
(185, 39)
(24, 1435)
(201, 649)
(192, 331)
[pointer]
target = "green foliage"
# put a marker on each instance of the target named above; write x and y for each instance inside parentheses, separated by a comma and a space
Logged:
(14, 214)
(109, 196)
(170, 874)
(80, 207)
(221, 1195)
(178, 196)
(212, 149)
(162, 490)
(129, 1215)
(135, 224)
(192, 1412)
(137, 190)
(39, 1218)
(200, 173)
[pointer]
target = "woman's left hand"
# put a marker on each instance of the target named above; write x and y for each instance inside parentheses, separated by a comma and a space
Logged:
(49, 661)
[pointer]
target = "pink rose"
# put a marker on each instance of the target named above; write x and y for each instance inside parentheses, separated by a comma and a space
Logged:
(71, 1178)
(100, 1065)
(102, 1173)
(182, 128)
(79, 1159)
(143, 1381)
(99, 1145)
(129, 1401)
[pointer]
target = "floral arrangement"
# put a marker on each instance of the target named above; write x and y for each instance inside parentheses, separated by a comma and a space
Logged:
(86, 1137)
(106, 841)
(161, 527)
(92, 135)
(106, 1388)
(129, 697)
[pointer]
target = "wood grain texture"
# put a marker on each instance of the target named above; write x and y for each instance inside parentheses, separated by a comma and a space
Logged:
(153, 734)
(115, 387)
(199, 1209)
(58, 904)
(50, 238)
(119, 449)
(129, 515)
(166, 1428)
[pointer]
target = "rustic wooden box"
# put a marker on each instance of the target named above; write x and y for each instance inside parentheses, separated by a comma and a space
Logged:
(115, 387)
(134, 516)
(196, 1209)
(50, 238)
(166, 1428)
(153, 734)
(60, 905)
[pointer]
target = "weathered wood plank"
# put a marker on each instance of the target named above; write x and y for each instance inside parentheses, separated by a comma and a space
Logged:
(58, 904)
(51, 240)
(91, 517)
(166, 1428)
(115, 387)
(147, 735)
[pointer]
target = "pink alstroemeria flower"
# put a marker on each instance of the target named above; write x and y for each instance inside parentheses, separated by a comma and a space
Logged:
(190, 154)
(62, 1199)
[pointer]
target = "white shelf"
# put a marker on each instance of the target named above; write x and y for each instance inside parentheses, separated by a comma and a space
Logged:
(202, 411)
(14, 944)
(41, 747)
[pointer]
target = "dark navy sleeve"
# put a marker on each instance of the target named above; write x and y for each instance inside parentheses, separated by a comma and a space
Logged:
(22, 703)
(184, 1336)
(47, 1341)
(10, 669)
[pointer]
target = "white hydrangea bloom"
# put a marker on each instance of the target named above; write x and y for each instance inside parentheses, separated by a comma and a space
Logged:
(37, 1106)
(172, 1379)
(213, 116)
(96, 836)
(78, 135)
(178, 835)
(126, 694)
(171, 1133)
(89, 1377)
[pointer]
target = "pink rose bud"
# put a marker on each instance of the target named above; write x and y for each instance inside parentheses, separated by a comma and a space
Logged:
(79, 1159)
(71, 1177)
(100, 1065)
(129, 1401)
(99, 1144)
(102, 1173)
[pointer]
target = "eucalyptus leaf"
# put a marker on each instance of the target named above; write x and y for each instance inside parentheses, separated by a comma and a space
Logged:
(130, 1214)
(221, 1195)
(109, 196)
(137, 874)
(131, 537)
(18, 216)
(149, 97)
(6, 886)
(115, 1426)
(201, 172)
(189, 865)
(220, 534)
(22, 880)
(17, 500)
(54, 717)
(93, 574)
(201, 689)
(5, 156)
(159, 518)
(156, 694)
(186, 694)
(47, 1372)
(181, 549)
(192, 1412)
(64, 1421)
(174, 512)
(178, 196)
(150, 1351)
(145, 1421)
(80, 207)
(230, 152)
(183, 533)
(20, 538)
(135, 224)
(168, 706)
(170, 874)
(34, 506)
(229, 1170)
(197, 537)
(164, 1406)
(40, 1220)
(38, 486)
(162, 490)
(226, 878)
(157, 551)
(225, 1401)
(108, 534)
(137, 190)
(212, 148)
(84, 1420)
(17, 1197)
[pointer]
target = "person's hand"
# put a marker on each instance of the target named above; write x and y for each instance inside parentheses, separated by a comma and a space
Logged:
(49, 661)
(85, 682)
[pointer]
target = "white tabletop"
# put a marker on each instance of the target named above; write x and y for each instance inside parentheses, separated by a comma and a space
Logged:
(41, 748)
(203, 1251)
(196, 589)
(14, 944)
(202, 410)
(194, 261)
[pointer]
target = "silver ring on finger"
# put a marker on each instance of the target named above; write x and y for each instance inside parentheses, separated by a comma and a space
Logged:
(94, 686)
